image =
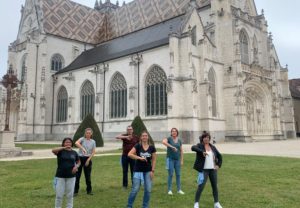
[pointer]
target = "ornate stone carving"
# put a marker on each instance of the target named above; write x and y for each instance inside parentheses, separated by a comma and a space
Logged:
(132, 92)
(169, 85)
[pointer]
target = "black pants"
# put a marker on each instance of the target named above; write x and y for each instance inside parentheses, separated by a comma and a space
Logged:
(87, 174)
(127, 161)
(212, 174)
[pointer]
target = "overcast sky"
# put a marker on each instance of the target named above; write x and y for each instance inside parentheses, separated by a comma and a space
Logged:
(283, 20)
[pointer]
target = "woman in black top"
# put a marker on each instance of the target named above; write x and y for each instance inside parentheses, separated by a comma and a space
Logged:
(67, 165)
(208, 161)
(145, 156)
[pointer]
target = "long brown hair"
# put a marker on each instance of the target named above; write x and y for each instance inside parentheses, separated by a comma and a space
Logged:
(143, 132)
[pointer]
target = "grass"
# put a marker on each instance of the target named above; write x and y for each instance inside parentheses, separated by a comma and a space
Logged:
(35, 146)
(244, 182)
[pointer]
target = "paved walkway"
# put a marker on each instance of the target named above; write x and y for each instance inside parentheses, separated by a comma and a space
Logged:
(285, 148)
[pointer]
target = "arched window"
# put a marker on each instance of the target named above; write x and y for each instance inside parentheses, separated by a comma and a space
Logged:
(118, 97)
(156, 95)
(244, 47)
(212, 92)
(87, 100)
(57, 62)
(23, 69)
(62, 105)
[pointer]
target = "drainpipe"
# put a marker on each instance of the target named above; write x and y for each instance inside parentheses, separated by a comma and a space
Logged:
(35, 86)
(52, 110)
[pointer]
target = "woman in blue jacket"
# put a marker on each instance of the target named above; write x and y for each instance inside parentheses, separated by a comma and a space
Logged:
(208, 161)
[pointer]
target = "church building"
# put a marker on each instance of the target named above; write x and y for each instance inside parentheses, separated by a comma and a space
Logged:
(191, 64)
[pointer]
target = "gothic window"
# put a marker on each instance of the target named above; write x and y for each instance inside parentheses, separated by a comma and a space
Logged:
(23, 69)
(57, 62)
(118, 97)
(212, 92)
(87, 100)
(244, 47)
(194, 36)
(62, 105)
(156, 95)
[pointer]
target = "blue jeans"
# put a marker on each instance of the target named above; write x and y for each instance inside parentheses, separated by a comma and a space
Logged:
(136, 187)
(174, 164)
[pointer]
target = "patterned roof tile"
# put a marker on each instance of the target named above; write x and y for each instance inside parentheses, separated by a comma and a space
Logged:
(74, 21)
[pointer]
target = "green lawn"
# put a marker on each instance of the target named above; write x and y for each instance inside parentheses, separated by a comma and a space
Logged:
(36, 146)
(244, 182)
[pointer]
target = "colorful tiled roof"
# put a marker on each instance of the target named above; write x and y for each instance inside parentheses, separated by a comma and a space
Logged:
(74, 21)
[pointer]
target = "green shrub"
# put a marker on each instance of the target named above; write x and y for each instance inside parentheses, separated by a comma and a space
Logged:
(139, 126)
(89, 122)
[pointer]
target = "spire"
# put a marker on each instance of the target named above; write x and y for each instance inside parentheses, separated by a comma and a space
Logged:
(117, 3)
(96, 4)
(100, 2)
(124, 3)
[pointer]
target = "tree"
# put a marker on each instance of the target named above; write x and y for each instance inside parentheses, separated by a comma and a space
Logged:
(89, 122)
(139, 126)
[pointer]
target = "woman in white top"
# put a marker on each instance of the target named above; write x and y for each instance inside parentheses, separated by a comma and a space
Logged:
(208, 161)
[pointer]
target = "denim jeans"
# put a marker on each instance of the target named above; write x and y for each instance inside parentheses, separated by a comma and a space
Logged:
(127, 161)
(64, 186)
(174, 164)
(136, 187)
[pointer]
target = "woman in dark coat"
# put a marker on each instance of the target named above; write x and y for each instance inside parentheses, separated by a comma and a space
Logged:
(208, 161)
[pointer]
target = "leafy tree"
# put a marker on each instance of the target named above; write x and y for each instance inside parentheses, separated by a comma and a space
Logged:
(89, 122)
(139, 126)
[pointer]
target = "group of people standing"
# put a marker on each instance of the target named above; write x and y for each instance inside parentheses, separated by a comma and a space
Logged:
(140, 157)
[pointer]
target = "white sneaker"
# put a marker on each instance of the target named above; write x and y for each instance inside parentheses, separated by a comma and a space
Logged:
(180, 192)
(217, 205)
(196, 205)
(170, 193)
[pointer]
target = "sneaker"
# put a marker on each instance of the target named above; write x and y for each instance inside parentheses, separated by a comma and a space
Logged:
(75, 194)
(90, 193)
(180, 192)
(170, 193)
(217, 205)
(196, 205)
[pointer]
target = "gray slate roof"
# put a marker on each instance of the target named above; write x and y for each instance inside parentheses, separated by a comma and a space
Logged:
(142, 40)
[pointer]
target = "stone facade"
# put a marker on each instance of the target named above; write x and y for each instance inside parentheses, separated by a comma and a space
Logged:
(220, 67)
(295, 92)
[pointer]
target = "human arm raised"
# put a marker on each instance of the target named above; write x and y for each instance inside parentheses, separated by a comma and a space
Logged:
(122, 137)
(167, 144)
(57, 150)
(132, 155)
(78, 144)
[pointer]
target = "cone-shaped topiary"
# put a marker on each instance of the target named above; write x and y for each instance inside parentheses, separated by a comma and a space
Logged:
(139, 126)
(89, 122)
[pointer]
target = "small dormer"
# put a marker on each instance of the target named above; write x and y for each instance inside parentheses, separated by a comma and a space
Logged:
(107, 6)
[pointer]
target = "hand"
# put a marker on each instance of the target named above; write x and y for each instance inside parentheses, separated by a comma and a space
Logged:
(151, 175)
(174, 149)
(83, 151)
(204, 154)
(181, 162)
(143, 159)
(75, 169)
(217, 167)
(87, 163)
